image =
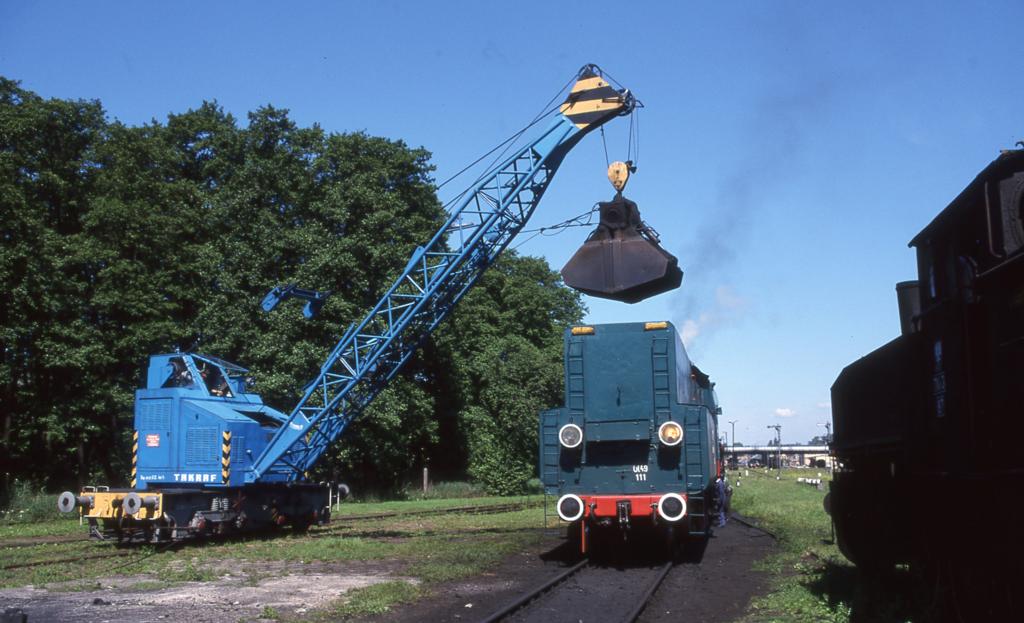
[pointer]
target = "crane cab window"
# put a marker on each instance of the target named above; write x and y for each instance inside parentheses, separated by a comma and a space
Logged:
(214, 380)
(196, 372)
(180, 375)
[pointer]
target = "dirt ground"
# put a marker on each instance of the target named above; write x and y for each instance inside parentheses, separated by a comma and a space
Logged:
(719, 587)
(715, 589)
(240, 596)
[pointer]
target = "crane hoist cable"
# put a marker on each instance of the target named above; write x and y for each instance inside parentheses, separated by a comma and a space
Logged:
(545, 112)
(557, 228)
(505, 143)
(604, 143)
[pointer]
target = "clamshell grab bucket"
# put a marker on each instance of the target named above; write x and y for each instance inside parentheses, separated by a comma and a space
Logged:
(621, 259)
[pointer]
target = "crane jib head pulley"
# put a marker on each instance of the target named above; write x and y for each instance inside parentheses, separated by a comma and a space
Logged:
(593, 101)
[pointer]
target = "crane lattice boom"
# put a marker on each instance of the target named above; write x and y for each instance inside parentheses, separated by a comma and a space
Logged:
(437, 275)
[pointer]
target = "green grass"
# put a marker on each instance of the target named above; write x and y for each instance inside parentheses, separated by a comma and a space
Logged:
(24, 503)
(194, 570)
(468, 558)
(371, 508)
(811, 581)
(811, 578)
(62, 526)
(427, 549)
(146, 585)
(26, 511)
(49, 573)
(446, 490)
(375, 599)
(78, 587)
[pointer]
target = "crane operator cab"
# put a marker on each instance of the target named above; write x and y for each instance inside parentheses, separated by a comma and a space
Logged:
(198, 428)
(221, 423)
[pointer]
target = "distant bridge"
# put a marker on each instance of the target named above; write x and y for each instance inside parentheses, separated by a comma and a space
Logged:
(766, 454)
(772, 449)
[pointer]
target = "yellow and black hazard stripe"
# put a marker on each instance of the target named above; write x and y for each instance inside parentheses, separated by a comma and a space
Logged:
(592, 101)
(135, 456)
(225, 457)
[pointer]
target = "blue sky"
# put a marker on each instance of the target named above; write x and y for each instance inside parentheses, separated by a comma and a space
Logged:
(789, 150)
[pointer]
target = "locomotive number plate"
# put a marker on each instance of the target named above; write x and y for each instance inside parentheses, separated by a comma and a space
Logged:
(640, 471)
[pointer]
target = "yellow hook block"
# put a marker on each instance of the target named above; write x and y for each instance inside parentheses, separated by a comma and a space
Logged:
(618, 175)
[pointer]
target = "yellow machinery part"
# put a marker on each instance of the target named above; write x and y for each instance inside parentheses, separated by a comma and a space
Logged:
(135, 457)
(107, 505)
(225, 457)
(592, 100)
(618, 175)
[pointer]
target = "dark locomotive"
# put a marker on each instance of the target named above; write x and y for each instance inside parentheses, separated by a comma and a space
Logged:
(926, 426)
(634, 453)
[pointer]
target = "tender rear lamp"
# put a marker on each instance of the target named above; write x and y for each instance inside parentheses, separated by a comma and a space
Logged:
(583, 330)
(670, 433)
(651, 326)
(672, 507)
(570, 436)
(570, 507)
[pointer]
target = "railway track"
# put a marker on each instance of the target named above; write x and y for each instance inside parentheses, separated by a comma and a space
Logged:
(43, 541)
(473, 509)
(560, 597)
(335, 524)
(485, 509)
(749, 524)
(523, 600)
(121, 553)
(63, 561)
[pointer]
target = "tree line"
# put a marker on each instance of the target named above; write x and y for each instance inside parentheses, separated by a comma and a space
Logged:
(122, 241)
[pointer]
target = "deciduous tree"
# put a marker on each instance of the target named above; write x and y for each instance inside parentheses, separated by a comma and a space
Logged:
(119, 242)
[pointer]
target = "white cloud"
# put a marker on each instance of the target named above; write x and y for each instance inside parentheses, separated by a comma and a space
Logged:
(825, 405)
(784, 412)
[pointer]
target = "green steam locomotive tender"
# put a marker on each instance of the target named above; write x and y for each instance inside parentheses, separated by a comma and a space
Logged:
(635, 448)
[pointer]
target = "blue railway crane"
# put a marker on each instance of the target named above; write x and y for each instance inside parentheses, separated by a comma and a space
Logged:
(209, 456)
(437, 275)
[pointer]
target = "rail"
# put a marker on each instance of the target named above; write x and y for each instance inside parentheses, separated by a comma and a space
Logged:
(471, 509)
(530, 596)
(526, 598)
